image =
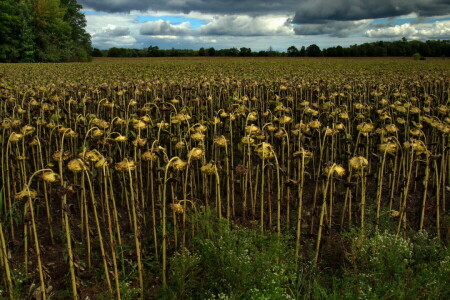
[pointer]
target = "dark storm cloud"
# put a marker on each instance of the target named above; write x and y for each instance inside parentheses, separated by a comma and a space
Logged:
(304, 11)
(322, 11)
(250, 7)
(332, 28)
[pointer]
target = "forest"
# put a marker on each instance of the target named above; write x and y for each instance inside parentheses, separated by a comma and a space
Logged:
(430, 48)
(43, 31)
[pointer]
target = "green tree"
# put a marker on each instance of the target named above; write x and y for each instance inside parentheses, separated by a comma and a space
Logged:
(152, 51)
(313, 51)
(202, 52)
(96, 53)
(10, 23)
(302, 51)
(292, 51)
(245, 51)
(27, 47)
(211, 51)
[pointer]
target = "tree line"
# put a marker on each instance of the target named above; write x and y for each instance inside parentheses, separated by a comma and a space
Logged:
(430, 48)
(43, 31)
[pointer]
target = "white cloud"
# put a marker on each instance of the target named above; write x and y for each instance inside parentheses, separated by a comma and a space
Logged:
(112, 30)
(257, 32)
(436, 30)
(241, 25)
(163, 27)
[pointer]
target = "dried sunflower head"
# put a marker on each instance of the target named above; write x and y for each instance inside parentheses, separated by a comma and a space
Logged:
(140, 125)
(178, 164)
(177, 208)
(197, 136)
(358, 162)
(125, 165)
(139, 142)
(335, 169)
(77, 165)
(209, 169)
(388, 147)
(49, 176)
(149, 156)
(196, 153)
(25, 193)
(91, 155)
(252, 129)
(120, 139)
(97, 133)
(247, 140)
(61, 155)
(27, 129)
(315, 124)
(15, 137)
(220, 141)
(365, 128)
(265, 150)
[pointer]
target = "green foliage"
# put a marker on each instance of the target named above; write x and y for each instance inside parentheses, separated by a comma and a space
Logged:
(416, 56)
(384, 265)
(9, 29)
(226, 263)
(43, 30)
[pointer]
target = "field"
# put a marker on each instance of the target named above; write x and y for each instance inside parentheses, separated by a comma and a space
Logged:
(225, 178)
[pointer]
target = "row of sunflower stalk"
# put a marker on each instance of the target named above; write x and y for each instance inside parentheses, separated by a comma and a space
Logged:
(105, 166)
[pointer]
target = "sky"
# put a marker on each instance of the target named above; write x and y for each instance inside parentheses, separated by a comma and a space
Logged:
(260, 24)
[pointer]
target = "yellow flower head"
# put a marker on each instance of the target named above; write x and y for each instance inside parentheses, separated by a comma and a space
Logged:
(281, 133)
(177, 208)
(121, 139)
(180, 145)
(197, 136)
(315, 124)
(265, 150)
(140, 125)
(196, 153)
(220, 141)
(139, 142)
(102, 162)
(284, 120)
(365, 128)
(91, 155)
(395, 213)
(337, 170)
(252, 116)
(178, 164)
(25, 193)
(61, 155)
(15, 137)
(252, 129)
(77, 165)
(49, 176)
(27, 129)
(389, 147)
(149, 156)
(358, 162)
(391, 128)
(247, 140)
(209, 169)
(200, 128)
(125, 165)
(96, 133)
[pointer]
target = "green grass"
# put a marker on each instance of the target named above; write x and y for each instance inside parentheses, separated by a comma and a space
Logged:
(242, 263)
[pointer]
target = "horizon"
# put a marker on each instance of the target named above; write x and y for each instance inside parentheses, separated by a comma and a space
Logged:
(260, 24)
